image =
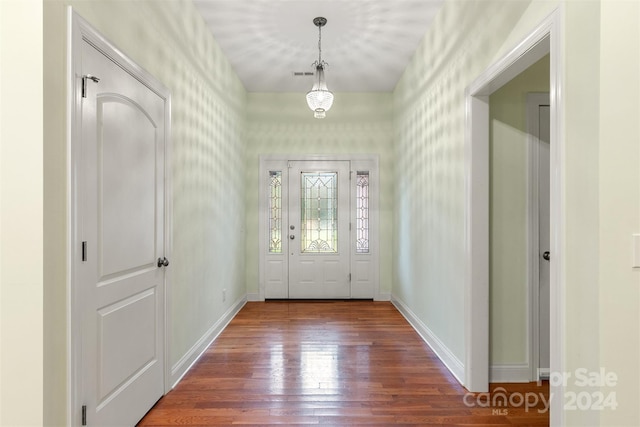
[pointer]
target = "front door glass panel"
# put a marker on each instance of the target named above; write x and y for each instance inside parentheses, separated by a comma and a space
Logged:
(319, 212)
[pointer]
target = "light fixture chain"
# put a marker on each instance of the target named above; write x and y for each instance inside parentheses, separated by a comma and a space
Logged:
(319, 22)
(319, 44)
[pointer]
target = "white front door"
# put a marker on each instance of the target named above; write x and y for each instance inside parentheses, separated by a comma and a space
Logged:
(318, 229)
(121, 228)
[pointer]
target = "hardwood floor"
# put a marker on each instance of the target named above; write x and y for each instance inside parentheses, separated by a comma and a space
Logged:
(334, 363)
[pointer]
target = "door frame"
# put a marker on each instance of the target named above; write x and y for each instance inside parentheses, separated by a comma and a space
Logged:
(534, 101)
(545, 38)
(357, 162)
(79, 30)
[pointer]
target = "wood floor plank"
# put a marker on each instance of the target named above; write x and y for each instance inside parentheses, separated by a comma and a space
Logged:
(332, 363)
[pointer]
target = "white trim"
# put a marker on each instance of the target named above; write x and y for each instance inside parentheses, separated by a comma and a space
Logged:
(476, 303)
(78, 29)
(180, 369)
(446, 356)
(72, 160)
(547, 37)
(534, 100)
(558, 213)
(510, 373)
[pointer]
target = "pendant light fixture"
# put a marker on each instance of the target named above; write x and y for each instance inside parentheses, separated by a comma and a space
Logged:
(319, 98)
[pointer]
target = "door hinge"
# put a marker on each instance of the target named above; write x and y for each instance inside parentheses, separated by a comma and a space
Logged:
(349, 276)
(84, 83)
(84, 415)
(84, 251)
(350, 226)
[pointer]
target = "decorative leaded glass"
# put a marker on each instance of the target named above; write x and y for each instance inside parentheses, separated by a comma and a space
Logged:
(362, 212)
(319, 212)
(275, 212)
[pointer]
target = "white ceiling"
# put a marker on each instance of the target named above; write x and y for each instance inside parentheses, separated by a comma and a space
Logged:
(367, 43)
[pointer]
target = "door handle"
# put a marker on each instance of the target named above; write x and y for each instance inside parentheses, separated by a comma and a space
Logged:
(546, 255)
(163, 262)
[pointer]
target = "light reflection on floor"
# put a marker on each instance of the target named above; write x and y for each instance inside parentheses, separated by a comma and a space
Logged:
(316, 369)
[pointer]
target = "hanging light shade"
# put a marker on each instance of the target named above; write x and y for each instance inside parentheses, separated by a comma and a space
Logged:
(319, 98)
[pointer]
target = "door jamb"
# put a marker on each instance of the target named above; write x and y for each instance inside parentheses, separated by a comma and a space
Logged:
(78, 29)
(546, 38)
(534, 101)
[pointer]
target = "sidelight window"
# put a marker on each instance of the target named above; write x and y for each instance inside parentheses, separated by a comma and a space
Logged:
(362, 212)
(275, 212)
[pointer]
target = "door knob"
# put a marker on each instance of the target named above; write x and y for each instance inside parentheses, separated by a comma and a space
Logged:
(546, 255)
(163, 262)
(291, 236)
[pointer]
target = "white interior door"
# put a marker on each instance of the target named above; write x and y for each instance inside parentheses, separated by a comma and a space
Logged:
(544, 237)
(121, 226)
(318, 230)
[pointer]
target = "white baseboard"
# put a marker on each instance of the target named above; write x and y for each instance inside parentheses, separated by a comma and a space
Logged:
(186, 362)
(510, 373)
(383, 296)
(446, 356)
(253, 297)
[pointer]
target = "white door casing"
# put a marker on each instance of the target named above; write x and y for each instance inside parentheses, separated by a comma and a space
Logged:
(318, 229)
(119, 139)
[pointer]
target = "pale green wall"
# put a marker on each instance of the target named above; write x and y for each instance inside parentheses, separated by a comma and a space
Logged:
(282, 124)
(428, 271)
(508, 210)
(21, 213)
(170, 40)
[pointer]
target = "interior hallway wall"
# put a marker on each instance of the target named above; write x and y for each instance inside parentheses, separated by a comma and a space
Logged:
(283, 124)
(429, 135)
(170, 40)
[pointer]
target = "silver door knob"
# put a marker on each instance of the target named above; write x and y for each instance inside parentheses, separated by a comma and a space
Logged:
(546, 255)
(163, 262)
(291, 236)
